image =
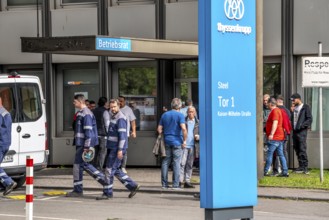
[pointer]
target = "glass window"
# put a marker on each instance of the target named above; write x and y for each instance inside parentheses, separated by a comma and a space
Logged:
(138, 86)
(187, 69)
(125, 2)
(182, 91)
(186, 81)
(31, 102)
(312, 99)
(78, 1)
(23, 2)
(272, 79)
(76, 81)
(8, 100)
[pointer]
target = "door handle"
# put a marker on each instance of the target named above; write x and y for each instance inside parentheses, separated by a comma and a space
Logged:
(26, 136)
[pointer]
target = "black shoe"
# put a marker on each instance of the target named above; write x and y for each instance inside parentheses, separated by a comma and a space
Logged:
(275, 174)
(9, 188)
(305, 171)
(104, 197)
(188, 185)
(74, 194)
(134, 191)
(284, 175)
(196, 195)
(299, 170)
(268, 174)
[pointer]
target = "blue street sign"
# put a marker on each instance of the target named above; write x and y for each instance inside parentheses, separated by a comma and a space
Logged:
(227, 103)
(115, 44)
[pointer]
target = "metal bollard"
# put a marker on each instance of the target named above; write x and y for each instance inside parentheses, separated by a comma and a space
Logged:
(29, 188)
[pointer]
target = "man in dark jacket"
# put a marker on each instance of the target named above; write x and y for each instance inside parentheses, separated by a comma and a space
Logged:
(100, 150)
(301, 121)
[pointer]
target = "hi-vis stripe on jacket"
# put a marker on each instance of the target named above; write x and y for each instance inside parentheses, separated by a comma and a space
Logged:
(85, 130)
(5, 129)
(117, 133)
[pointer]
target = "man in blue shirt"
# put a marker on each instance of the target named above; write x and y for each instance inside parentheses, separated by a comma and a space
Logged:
(5, 142)
(172, 125)
(192, 126)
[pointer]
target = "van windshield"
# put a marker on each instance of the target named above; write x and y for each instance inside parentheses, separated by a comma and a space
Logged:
(22, 101)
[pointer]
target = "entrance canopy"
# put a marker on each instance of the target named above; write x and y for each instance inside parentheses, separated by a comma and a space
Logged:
(98, 45)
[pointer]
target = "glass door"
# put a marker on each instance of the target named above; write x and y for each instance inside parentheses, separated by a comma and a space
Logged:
(186, 82)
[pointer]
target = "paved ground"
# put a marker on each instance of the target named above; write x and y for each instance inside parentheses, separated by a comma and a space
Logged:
(149, 178)
(51, 185)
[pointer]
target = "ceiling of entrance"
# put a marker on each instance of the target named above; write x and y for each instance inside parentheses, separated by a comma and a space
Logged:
(111, 47)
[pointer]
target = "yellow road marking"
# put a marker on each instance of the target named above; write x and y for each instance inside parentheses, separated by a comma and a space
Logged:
(17, 197)
(54, 193)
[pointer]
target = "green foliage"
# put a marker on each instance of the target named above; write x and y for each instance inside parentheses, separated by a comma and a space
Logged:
(189, 69)
(272, 79)
(311, 181)
(137, 81)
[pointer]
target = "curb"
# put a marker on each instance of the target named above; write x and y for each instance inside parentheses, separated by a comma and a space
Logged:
(189, 193)
(295, 198)
(168, 191)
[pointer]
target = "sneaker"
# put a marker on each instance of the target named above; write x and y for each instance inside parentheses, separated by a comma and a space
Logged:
(74, 194)
(134, 191)
(176, 188)
(284, 175)
(9, 188)
(299, 170)
(165, 187)
(104, 197)
(306, 171)
(124, 170)
(188, 185)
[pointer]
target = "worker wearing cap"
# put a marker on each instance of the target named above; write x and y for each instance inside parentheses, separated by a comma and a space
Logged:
(301, 121)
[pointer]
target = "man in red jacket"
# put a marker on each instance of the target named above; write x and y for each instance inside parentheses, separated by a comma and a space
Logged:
(287, 129)
(275, 135)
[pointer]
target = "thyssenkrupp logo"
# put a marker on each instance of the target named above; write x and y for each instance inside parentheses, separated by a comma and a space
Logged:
(234, 9)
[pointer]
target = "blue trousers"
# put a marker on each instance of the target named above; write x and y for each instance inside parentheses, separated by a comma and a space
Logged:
(113, 169)
(4, 178)
(79, 166)
(173, 156)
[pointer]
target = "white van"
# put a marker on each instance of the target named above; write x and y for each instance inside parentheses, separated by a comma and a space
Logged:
(22, 97)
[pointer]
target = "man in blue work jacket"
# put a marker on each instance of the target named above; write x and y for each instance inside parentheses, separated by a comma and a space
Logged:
(5, 142)
(85, 136)
(117, 141)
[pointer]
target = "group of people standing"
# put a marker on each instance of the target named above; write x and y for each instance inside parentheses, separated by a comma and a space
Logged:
(181, 138)
(107, 131)
(279, 122)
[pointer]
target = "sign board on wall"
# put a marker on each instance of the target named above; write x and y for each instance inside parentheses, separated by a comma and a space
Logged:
(315, 71)
(115, 44)
(227, 103)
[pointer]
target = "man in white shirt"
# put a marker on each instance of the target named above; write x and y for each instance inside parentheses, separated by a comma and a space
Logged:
(131, 126)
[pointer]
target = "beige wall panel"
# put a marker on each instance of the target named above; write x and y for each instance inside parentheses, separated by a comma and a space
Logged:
(182, 21)
(132, 21)
(13, 25)
(74, 22)
(311, 26)
(272, 27)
